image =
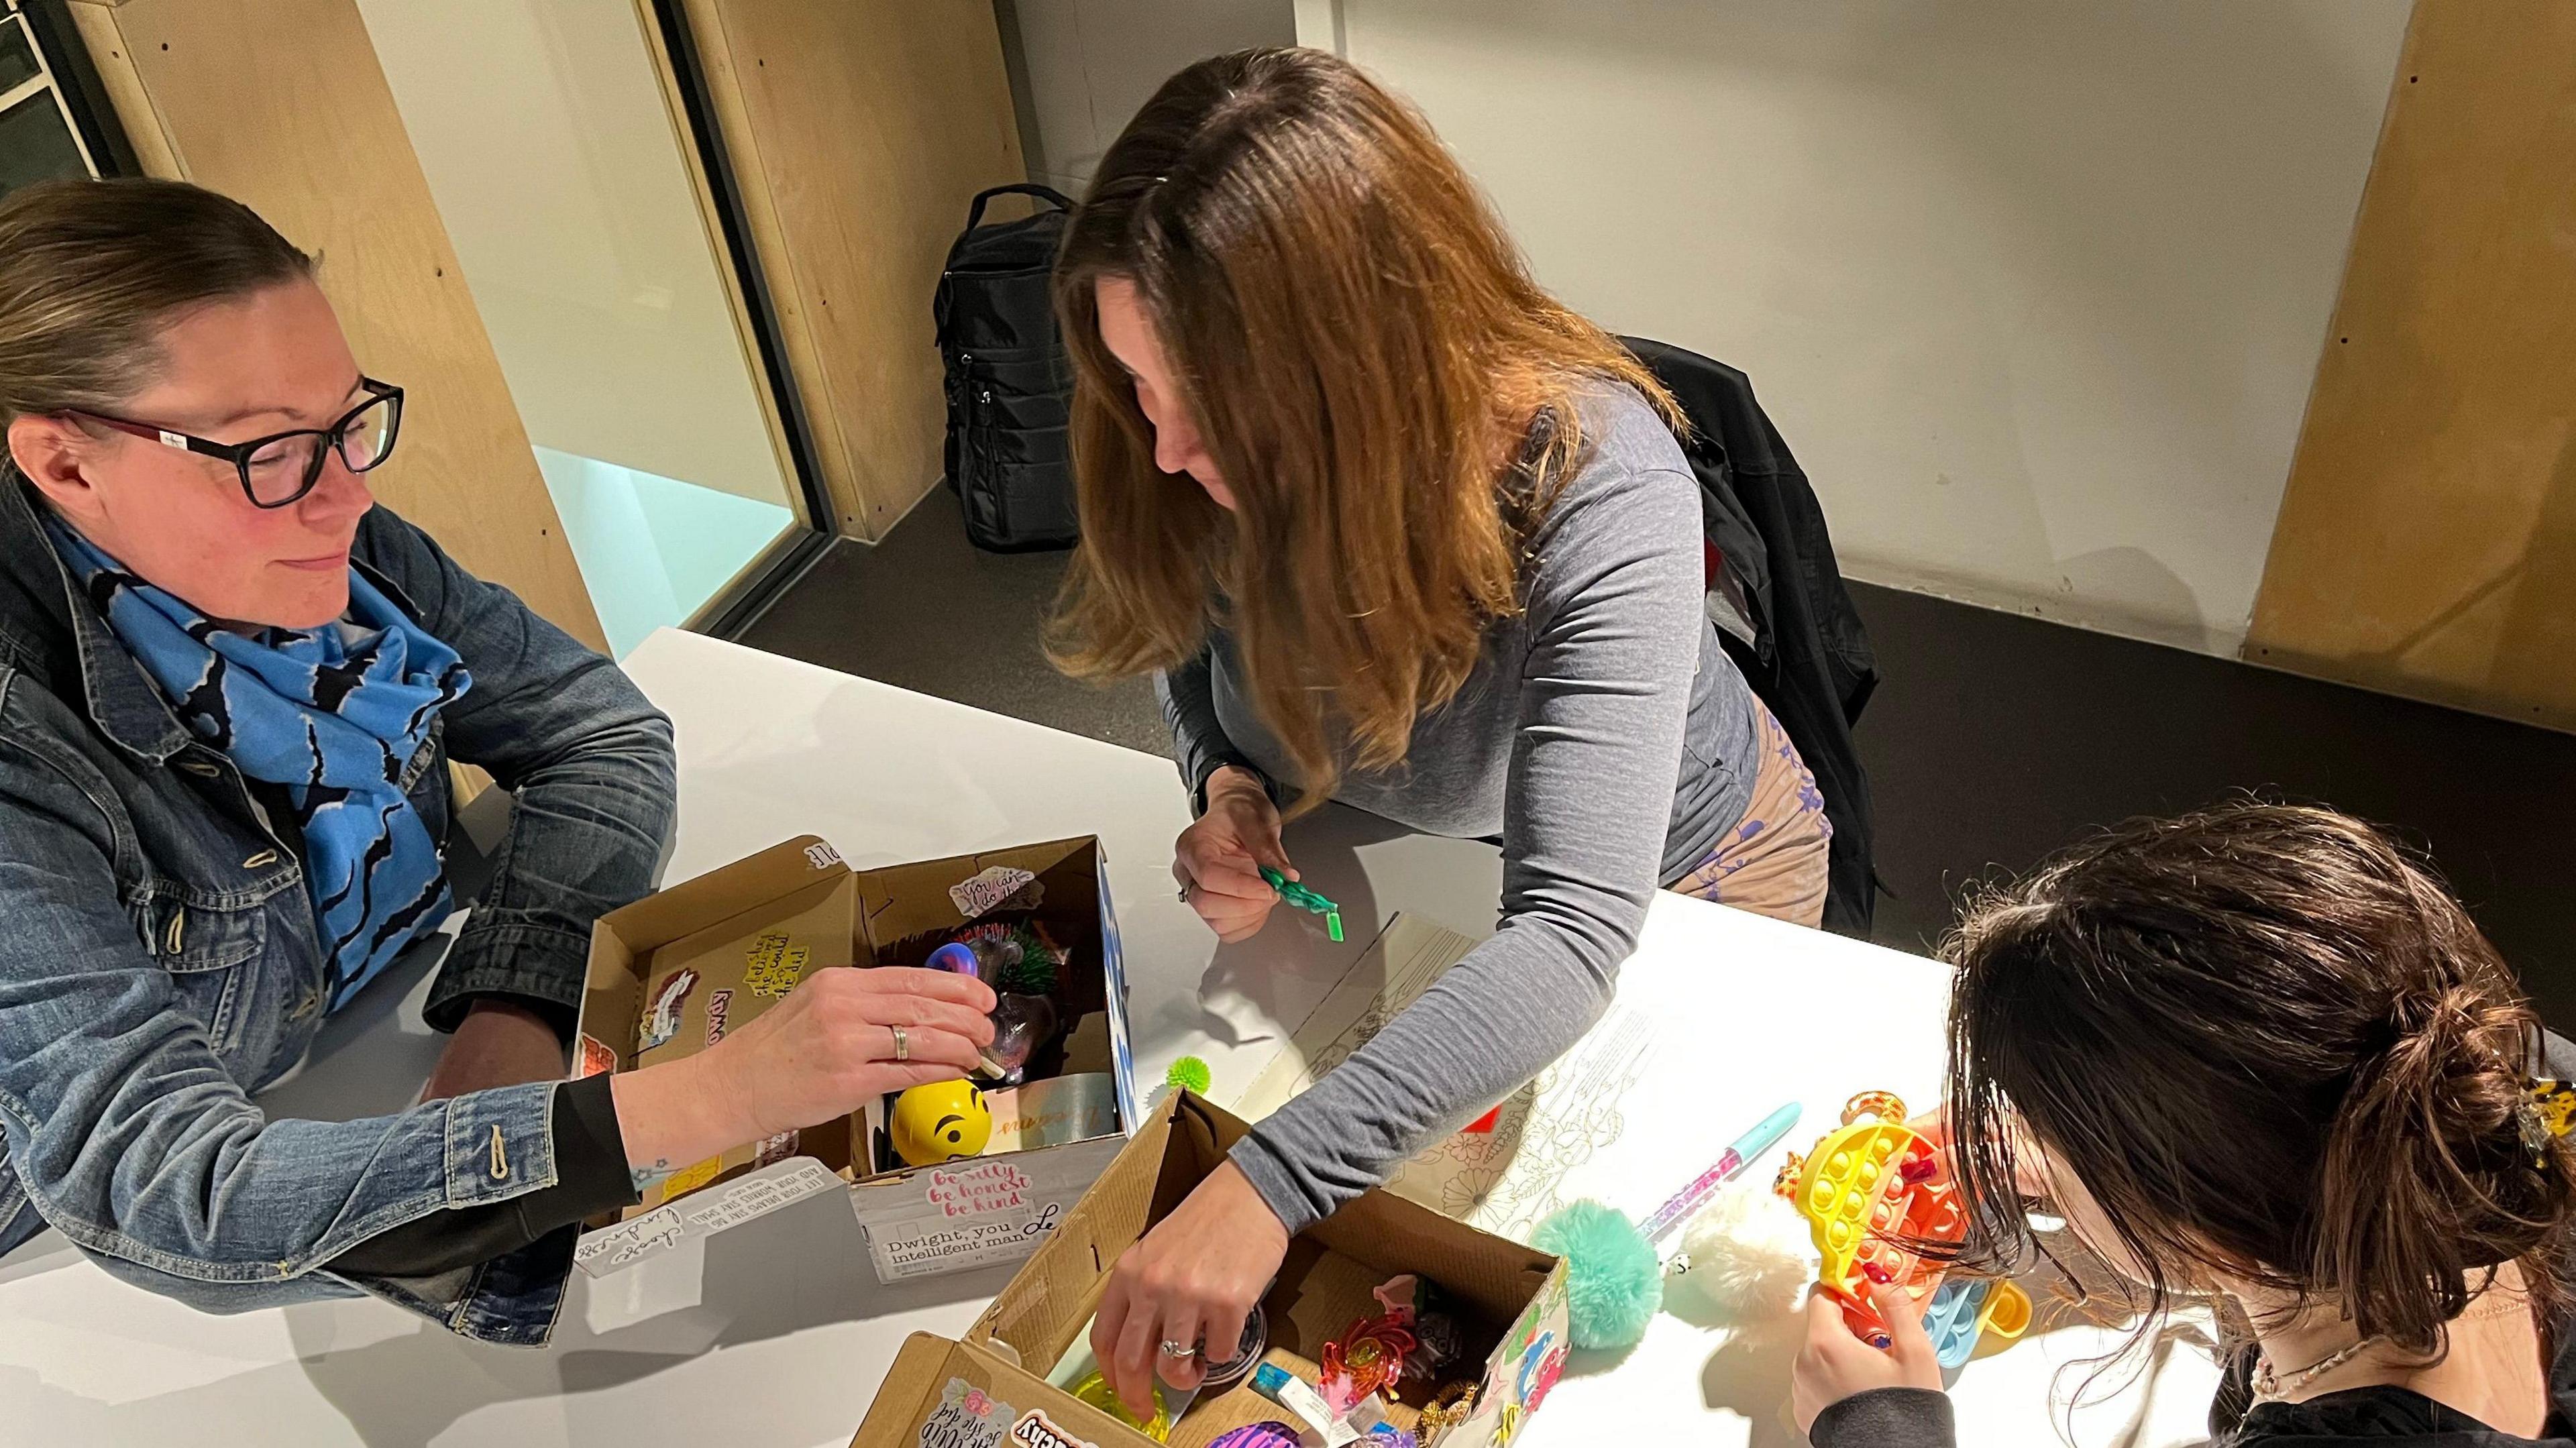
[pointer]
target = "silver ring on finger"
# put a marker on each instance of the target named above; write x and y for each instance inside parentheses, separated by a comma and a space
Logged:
(1185, 892)
(1181, 1350)
(902, 1044)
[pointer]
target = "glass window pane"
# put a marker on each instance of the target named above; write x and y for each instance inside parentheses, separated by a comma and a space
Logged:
(550, 149)
(36, 144)
(17, 57)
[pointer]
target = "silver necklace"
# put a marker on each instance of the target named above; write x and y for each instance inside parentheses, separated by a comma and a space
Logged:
(2270, 1388)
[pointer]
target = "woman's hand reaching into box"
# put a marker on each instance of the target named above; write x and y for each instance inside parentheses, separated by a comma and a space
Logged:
(843, 1037)
(1190, 1282)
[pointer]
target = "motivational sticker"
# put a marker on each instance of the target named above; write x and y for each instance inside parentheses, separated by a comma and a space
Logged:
(1037, 1430)
(994, 1186)
(595, 1057)
(758, 1196)
(690, 1178)
(718, 1003)
(965, 1418)
(996, 885)
(822, 857)
(775, 965)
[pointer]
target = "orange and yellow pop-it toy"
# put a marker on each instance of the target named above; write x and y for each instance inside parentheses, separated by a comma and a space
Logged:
(1870, 1187)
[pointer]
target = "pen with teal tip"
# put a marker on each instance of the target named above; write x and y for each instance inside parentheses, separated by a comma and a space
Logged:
(1747, 1148)
(1292, 893)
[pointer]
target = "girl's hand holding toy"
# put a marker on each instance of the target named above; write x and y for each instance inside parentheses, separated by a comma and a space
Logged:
(1833, 1364)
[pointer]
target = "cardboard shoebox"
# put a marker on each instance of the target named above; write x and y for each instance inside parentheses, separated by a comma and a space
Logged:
(674, 973)
(990, 1390)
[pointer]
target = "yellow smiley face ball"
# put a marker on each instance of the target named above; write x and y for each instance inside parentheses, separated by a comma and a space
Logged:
(940, 1122)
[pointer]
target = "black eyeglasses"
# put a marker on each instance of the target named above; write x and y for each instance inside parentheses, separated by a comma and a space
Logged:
(279, 469)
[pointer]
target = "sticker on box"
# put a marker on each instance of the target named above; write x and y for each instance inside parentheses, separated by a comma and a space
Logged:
(690, 1178)
(822, 856)
(662, 1015)
(757, 1195)
(774, 1149)
(775, 965)
(718, 1002)
(1052, 1112)
(965, 1418)
(945, 1245)
(1038, 1431)
(596, 1058)
(994, 887)
(993, 1186)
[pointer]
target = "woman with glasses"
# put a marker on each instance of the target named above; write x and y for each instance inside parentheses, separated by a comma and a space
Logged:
(230, 688)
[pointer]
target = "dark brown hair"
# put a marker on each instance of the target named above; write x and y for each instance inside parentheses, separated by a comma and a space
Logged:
(2270, 1045)
(91, 271)
(1366, 356)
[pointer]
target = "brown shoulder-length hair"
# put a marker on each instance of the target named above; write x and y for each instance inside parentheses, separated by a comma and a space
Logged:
(2271, 1046)
(1389, 395)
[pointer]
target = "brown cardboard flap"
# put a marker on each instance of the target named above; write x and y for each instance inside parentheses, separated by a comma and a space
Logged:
(1053, 1293)
(909, 903)
(659, 919)
(911, 1389)
(1326, 1281)
(917, 1386)
(1496, 1276)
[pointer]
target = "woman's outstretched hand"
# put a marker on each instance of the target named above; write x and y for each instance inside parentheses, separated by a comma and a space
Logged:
(830, 1046)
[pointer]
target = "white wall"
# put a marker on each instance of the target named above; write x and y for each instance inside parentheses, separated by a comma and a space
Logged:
(1091, 64)
(2035, 288)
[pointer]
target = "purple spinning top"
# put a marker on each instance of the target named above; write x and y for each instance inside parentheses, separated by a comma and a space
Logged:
(955, 956)
(1259, 1435)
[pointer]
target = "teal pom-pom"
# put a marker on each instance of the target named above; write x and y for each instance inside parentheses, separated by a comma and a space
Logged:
(1190, 1074)
(1613, 1281)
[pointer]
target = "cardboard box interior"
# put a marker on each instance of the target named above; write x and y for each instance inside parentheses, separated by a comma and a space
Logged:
(1324, 1286)
(753, 928)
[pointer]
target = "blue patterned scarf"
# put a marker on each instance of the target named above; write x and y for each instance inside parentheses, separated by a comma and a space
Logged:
(333, 716)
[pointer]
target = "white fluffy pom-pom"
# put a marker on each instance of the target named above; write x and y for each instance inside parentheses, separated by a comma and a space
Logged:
(1745, 1257)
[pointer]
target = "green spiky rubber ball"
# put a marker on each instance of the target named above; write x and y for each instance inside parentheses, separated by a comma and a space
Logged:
(1190, 1074)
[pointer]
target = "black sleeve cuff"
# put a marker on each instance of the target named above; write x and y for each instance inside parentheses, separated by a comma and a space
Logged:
(590, 1151)
(1887, 1418)
(590, 1178)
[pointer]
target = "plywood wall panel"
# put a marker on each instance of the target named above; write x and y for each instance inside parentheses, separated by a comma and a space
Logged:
(858, 132)
(281, 103)
(2427, 540)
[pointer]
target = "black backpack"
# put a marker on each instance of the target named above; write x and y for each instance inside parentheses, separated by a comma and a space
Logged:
(1008, 457)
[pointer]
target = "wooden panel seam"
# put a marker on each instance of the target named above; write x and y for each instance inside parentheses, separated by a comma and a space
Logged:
(773, 253)
(145, 128)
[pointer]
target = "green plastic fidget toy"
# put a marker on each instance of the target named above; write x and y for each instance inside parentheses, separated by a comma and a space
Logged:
(1292, 893)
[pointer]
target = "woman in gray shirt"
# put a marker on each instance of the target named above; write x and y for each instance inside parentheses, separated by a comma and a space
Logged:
(1391, 526)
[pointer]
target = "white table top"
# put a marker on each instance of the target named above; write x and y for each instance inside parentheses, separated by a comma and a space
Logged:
(777, 1332)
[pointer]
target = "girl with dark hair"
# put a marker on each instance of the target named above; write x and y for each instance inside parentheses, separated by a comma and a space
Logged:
(2258, 1054)
(1389, 525)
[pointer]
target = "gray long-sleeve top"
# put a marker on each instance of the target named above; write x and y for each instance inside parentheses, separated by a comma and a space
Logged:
(1606, 740)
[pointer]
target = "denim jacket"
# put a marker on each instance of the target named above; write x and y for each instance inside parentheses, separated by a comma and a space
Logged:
(161, 962)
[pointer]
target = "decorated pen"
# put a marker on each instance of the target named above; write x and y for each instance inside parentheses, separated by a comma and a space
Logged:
(1747, 1148)
(1292, 893)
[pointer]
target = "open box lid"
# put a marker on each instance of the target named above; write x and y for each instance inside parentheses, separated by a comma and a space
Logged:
(793, 874)
(990, 1386)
